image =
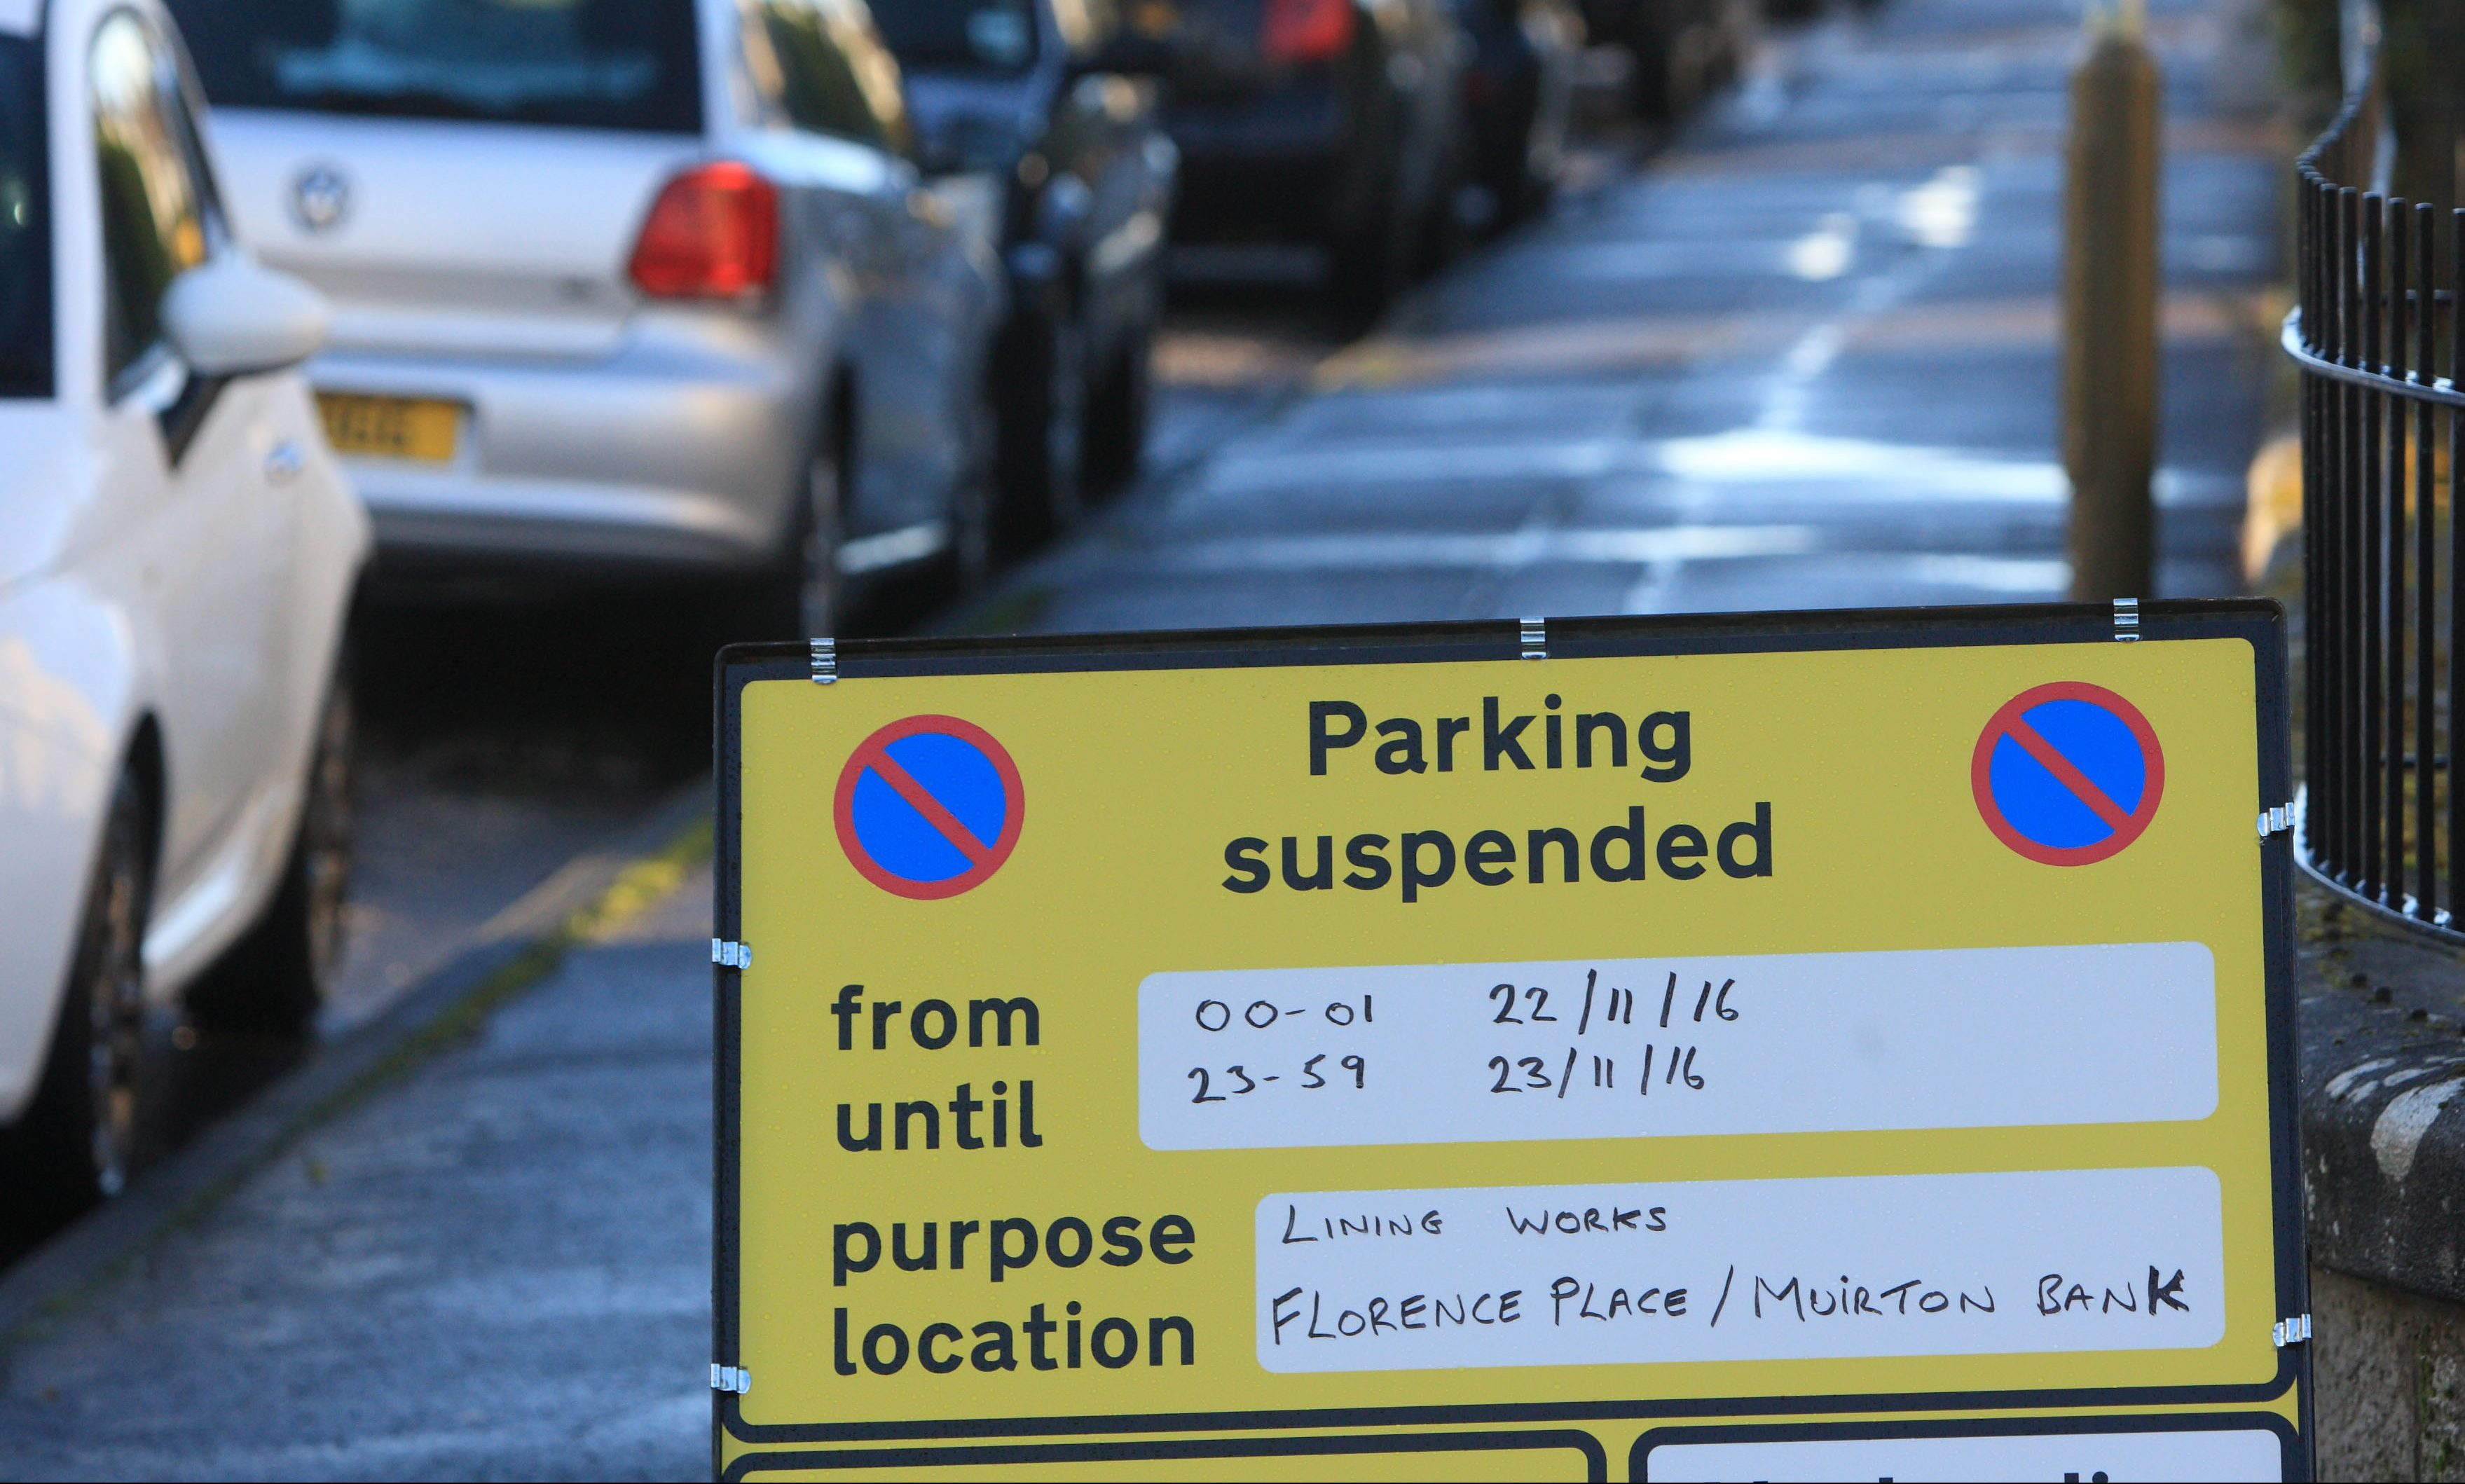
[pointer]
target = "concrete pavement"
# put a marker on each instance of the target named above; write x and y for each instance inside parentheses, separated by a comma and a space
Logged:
(1805, 356)
(498, 1267)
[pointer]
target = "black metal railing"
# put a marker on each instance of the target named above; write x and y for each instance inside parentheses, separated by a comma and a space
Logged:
(2379, 341)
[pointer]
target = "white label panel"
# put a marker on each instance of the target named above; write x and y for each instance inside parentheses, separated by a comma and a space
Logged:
(2222, 1453)
(1744, 1270)
(1746, 1044)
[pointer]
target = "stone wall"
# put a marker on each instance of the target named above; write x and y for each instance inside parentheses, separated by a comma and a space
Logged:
(2389, 1367)
(2381, 1025)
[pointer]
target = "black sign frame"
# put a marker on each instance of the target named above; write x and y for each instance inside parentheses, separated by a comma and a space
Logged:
(2258, 622)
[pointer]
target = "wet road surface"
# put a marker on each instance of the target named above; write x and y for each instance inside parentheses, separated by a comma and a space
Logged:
(1806, 359)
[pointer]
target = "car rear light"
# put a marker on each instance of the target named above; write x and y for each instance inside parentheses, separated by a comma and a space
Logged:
(712, 234)
(1307, 31)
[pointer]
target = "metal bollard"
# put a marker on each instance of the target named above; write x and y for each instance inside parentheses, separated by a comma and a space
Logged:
(2109, 358)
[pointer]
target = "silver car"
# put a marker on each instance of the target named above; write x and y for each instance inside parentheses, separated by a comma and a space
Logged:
(645, 285)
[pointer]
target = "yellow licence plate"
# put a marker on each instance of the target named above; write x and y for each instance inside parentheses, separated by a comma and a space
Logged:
(415, 427)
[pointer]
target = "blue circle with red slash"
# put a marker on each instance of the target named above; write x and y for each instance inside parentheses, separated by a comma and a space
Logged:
(929, 807)
(2068, 774)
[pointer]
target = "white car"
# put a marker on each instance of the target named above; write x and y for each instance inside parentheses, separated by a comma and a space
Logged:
(624, 289)
(178, 555)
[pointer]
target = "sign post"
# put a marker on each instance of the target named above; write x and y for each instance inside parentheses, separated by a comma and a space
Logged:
(1778, 1046)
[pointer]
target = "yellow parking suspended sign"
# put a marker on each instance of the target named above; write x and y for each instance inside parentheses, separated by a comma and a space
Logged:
(1807, 1046)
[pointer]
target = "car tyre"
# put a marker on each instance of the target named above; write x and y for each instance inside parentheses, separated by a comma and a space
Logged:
(1042, 431)
(1117, 416)
(975, 510)
(1445, 232)
(801, 593)
(816, 588)
(1651, 40)
(279, 976)
(1529, 202)
(77, 1137)
(1371, 264)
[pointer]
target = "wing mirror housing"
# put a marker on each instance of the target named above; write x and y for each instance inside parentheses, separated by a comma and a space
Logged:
(230, 316)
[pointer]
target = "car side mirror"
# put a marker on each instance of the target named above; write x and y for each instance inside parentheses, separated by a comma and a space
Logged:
(229, 317)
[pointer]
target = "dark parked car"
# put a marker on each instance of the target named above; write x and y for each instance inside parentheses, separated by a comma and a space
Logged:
(1518, 91)
(1331, 121)
(1014, 89)
(1682, 49)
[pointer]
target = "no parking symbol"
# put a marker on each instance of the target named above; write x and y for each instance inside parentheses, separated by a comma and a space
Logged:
(929, 807)
(2068, 774)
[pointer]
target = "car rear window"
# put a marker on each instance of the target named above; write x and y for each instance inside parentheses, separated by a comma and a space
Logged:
(603, 64)
(25, 233)
(958, 35)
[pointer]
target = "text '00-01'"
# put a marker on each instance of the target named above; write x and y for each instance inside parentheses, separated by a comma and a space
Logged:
(1719, 1044)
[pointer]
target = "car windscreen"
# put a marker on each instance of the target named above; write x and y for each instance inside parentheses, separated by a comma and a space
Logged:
(606, 64)
(958, 35)
(25, 230)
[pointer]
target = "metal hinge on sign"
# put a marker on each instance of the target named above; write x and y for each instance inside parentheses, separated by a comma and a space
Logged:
(2270, 821)
(826, 661)
(727, 953)
(2126, 619)
(731, 1378)
(2291, 1332)
(1535, 638)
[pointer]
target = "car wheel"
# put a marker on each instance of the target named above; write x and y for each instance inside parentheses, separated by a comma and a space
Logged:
(1652, 82)
(818, 597)
(277, 978)
(800, 594)
(77, 1137)
(1444, 233)
(1371, 263)
(974, 510)
(1116, 420)
(1042, 435)
(1533, 194)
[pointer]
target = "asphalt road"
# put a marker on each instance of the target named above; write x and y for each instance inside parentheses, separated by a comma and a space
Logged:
(1803, 357)
(1807, 358)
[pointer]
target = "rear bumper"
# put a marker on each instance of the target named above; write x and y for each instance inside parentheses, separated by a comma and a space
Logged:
(1502, 100)
(1264, 167)
(657, 458)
